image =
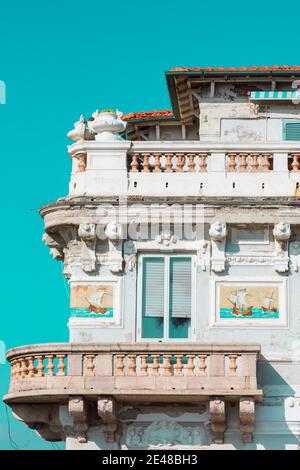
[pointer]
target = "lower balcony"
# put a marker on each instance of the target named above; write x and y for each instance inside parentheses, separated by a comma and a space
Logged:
(144, 373)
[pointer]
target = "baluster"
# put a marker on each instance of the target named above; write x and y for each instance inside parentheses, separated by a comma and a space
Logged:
(12, 369)
(120, 364)
(203, 162)
(131, 365)
(243, 162)
(61, 364)
(232, 162)
(167, 367)
(180, 162)
(254, 162)
(90, 365)
(202, 364)
(232, 364)
(31, 368)
(24, 370)
(18, 369)
(50, 365)
(40, 366)
(144, 365)
(82, 162)
(178, 366)
(155, 364)
(169, 157)
(295, 162)
(146, 163)
(190, 366)
(157, 164)
(191, 157)
(134, 165)
(266, 161)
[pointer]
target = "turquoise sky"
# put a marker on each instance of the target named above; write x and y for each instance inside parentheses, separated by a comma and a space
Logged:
(62, 58)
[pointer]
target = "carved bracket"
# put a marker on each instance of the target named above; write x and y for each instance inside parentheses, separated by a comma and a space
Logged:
(107, 410)
(114, 234)
(78, 411)
(217, 414)
(87, 233)
(218, 233)
(247, 417)
(282, 233)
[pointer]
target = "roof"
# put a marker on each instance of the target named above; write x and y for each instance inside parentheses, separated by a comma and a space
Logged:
(149, 115)
(177, 111)
(254, 68)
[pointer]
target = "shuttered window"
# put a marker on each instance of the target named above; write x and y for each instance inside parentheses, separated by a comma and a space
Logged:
(166, 297)
(291, 130)
(180, 287)
(153, 287)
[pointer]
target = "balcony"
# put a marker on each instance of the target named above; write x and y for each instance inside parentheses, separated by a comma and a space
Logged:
(138, 373)
(186, 169)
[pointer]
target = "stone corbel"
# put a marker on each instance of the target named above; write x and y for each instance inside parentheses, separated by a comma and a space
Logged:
(87, 233)
(107, 411)
(166, 239)
(217, 415)
(56, 248)
(282, 233)
(78, 411)
(113, 233)
(247, 417)
(218, 235)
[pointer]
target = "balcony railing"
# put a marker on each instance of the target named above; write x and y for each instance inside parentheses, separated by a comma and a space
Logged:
(144, 371)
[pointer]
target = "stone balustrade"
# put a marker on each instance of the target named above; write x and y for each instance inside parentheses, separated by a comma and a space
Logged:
(136, 370)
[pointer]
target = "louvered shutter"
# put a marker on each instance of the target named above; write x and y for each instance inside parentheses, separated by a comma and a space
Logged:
(153, 287)
(180, 287)
(292, 130)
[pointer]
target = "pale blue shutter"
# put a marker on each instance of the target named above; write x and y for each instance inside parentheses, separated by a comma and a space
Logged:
(291, 130)
(180, 287)
(153, 287)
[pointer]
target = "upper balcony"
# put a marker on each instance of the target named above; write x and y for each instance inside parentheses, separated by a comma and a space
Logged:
(185, 169)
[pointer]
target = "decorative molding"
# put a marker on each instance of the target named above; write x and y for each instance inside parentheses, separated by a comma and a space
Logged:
(107, 410)
(217, 415)
(247, 418)
(78, 411)
(218, 233)
(114, 233)
(294, 251)
(87, 233)
(282, 233)
(166, 239)
(203, 255)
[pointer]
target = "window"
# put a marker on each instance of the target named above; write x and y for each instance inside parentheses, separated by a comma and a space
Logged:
(165, 297)
(291, 130)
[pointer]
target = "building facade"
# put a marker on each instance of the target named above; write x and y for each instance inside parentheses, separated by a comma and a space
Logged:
(180, 240)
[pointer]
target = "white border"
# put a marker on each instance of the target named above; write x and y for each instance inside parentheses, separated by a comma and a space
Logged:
(93, 322)
(282, 321)
(141, 256)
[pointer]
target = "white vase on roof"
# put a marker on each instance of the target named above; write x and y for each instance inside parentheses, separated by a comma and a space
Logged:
(107, 125)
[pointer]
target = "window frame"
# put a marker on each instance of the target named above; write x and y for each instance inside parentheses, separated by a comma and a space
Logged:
(166, 257)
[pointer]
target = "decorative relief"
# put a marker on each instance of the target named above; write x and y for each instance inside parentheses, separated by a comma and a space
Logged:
(218, 235)
(217, 414)
(282, 233)
(247, 417)
(166, 239)
(164, 433)
(203, 255)
(114, 234)
(87, 233)
(78, 411)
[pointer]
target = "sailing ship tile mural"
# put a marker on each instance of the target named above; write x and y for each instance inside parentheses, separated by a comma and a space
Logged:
(249, 301)
(92, 301)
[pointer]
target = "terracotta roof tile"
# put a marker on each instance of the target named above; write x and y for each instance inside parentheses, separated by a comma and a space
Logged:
(260, 68)
(163, 113)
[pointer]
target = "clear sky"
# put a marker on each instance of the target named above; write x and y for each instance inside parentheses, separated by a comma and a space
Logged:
(63, 58)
